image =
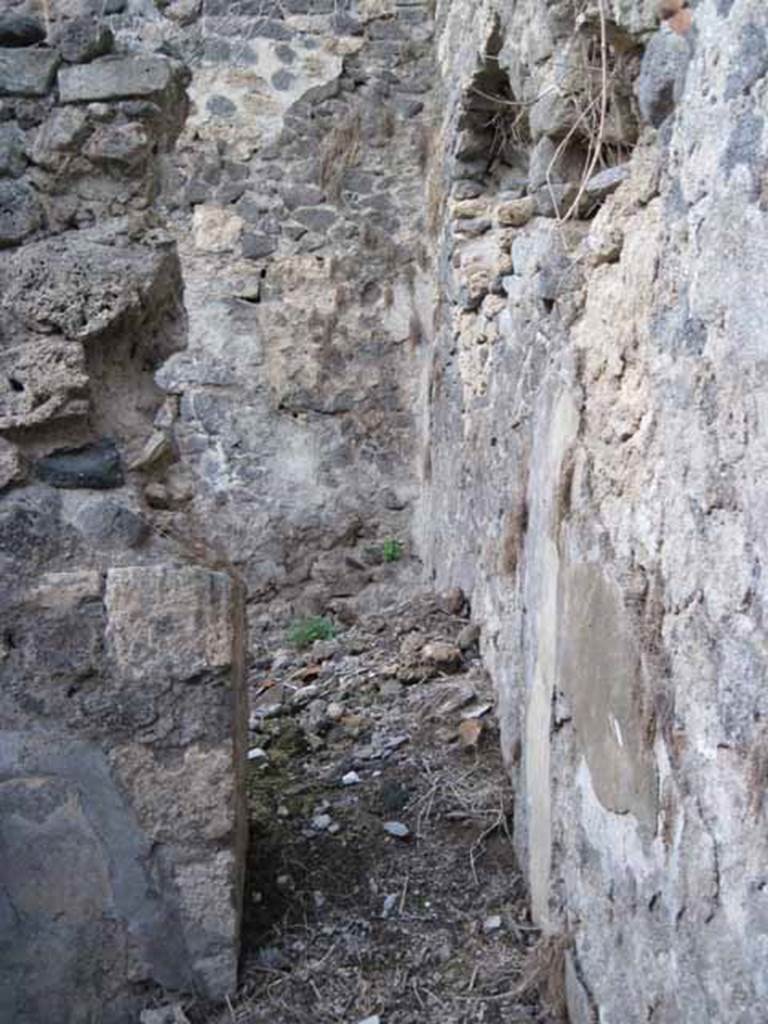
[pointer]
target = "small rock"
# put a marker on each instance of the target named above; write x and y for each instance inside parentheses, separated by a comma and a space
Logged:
(321, 822)
(371, 1020)
(283, 811)
(516, 212)
(442, 656)
(492, 923)
(319, 899)
(607, 181)
(257, 754)
(334, 827)
(397, 829)
(284, 881)
(350, 779)
(452, 601)
(468, 636)
(390, 903)
(335, 711)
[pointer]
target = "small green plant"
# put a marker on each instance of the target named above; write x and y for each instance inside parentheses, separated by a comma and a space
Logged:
(391, 550)
(304, 632)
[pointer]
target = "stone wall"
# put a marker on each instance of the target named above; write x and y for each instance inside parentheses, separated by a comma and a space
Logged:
(595, 453)
(122, 668)
(281, 279)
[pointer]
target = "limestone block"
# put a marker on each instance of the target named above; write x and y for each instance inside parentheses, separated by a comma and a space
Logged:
(42, 382)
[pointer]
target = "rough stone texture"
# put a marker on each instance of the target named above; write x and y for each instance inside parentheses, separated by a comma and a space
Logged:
(115, 672)
(596, 455)
(121, 667)
(27, 72)
(362, 205)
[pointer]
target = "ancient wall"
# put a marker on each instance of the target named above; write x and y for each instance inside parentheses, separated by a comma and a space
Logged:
(281, 279)
(595, 451)
(122, 693)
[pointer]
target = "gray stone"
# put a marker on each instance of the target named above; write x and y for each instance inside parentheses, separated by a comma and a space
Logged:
(604, 182)
(302, 195)
(21, 213)
(662, 75)
(12, 156)
(11, 470)
(316, 218)
(83, 39)
(20, 30)
(113, 78)
(27, 72)
(108, 524)
(40, 382)
(257, 246)
(82, 287)
(126, 146)
(95, 466)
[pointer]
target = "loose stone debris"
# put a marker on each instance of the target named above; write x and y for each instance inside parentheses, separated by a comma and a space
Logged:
(382, 885)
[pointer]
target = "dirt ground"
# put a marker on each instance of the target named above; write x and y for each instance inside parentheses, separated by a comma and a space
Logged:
(382, 885)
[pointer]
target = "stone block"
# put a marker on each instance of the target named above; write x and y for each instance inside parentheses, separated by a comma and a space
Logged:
(123, 867)
(82, 286)
(21, 213)
(42, 382)
(662, 75)
(27, 72)
(115, 78)
(80, 40)
(18, 29)
(516, 212)
(93, 466)
(12, 158)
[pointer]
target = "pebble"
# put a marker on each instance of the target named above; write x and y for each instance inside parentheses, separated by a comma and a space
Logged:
(257, 754)
(492, 923)
(321, 822)
(350, 779)
(397, 829)
(334, 827)
(376, 1019)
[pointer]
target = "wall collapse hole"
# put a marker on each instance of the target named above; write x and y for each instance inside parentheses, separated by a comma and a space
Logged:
(16, 385)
